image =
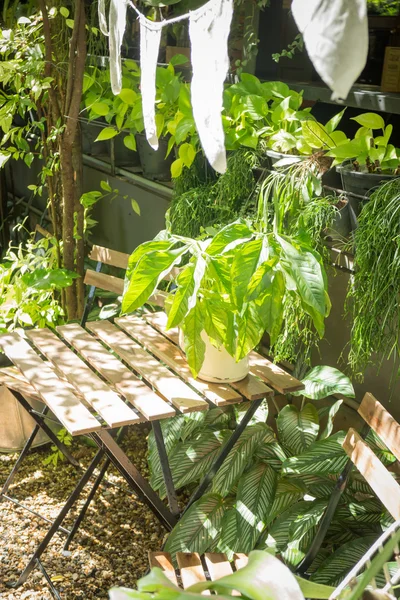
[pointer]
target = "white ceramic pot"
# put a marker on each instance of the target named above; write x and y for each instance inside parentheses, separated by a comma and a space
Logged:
(219, 366)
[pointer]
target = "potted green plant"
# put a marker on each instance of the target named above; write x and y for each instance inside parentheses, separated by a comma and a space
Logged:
(367, 160)
(231, 290)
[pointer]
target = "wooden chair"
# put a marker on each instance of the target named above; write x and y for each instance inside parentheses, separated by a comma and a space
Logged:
(361, 456)
(194, 568)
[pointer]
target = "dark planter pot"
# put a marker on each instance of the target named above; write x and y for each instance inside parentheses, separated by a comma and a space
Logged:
(330, 178)
(89, 132)
(341, 227)
(361, 184)
(153, 162)
(123, 157)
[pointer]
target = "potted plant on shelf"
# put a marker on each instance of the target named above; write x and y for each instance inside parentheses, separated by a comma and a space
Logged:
(231, 290)
(366, 161)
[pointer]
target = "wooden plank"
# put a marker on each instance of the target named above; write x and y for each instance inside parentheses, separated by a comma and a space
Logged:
(240, 560)
(147, 402)
(191, 568)
(93, 389)
(104, 282)
(219, 394)
(374, 472)
(163, 561)
(165, 382)
(159, 321)
(252, 388)
(382, 422)
(18, 384)
(266, 370)
(56, 393)
(218, 565)
(109, 257)
(276, 377)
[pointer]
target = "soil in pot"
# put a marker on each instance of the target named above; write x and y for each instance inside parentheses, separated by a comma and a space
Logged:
(330, 177)
(361, 184)
(219, 366)
(153, 162)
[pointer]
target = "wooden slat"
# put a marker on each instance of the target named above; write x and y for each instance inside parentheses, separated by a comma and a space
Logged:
(374, 472)
(104, 282)
(219, 394)
(240, 560)
(218, 565)
(266, 370)
(276, 377)
(191, 568)
(165, 382)
(159, 321)
(109, 257)
(94, 390)
(163, 561)
(252, 388)
(19, 384)
(382, 422)
(125, 382)
(56, 393)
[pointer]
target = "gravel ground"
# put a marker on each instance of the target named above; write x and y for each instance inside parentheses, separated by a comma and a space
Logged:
(111, 545)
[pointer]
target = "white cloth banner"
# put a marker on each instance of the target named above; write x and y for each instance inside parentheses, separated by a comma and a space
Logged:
(209, 28)
(117, 26)
(150, 36)
(335, 34)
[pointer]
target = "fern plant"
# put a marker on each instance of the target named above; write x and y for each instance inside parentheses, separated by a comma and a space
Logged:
(275, 484)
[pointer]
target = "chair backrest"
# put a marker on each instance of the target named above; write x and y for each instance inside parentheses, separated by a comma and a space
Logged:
(374, 472)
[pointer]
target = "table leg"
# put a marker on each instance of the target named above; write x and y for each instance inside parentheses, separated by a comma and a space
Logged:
(168, 480)
(137, 482)
(58, 521)
(224, 453)
(21, 457)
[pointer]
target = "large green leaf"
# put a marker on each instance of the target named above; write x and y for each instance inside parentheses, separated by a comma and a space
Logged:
(279, 532)
(336, 566)
(263, 578)
(150, 270)
(303, 527)
(331, 125)
(250, 330)
(190, 460)
(240, 456)
(370, 120)
(229, 236)
(297, 429)
(316, 136)
(229, 541)
(321, 458)
(288, 492)
(333, 410)
(243, 267)
(195, 347)
(145, 248)
(323, 381)
(271, 307)
(305, 270)
(200, 526)
(185, 298)
(273, 454)
(255, 495)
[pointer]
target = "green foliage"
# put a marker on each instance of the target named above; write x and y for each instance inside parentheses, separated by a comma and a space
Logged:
(263, 578)
(56, 455)
(30, 283)
(215, 288)
(273, 489)
(373, 295)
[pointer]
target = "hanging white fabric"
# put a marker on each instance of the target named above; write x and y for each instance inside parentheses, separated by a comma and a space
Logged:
(117, 24)
(102, 17)
(209, 28)
(150, 36)
(335, 34)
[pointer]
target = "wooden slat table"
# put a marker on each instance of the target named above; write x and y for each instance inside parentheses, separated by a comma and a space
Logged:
(98, 379)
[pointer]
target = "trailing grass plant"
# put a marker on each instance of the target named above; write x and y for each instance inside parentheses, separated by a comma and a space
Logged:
(373, 295)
